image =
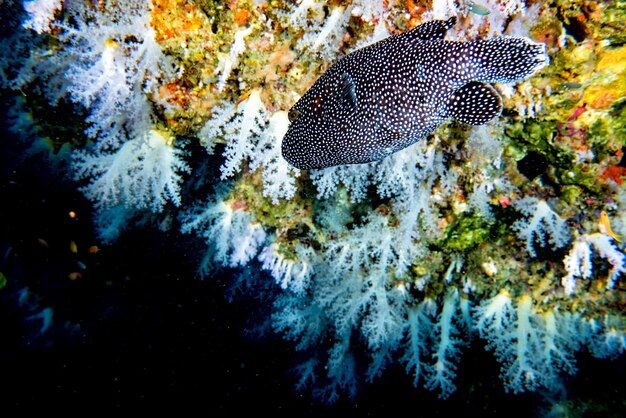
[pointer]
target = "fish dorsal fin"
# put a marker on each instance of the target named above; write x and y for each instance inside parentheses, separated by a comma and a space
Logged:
(347, 93)
(435, 30)
(474, 104)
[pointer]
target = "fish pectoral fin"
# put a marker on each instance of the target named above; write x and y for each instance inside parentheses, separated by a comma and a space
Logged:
(474, 104)
(347, 93)
(435, 30)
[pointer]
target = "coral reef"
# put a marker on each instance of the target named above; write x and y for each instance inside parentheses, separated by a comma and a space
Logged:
(474, 231)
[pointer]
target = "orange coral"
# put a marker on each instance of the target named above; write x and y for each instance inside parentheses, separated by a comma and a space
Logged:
(242, 16)
(176, 19)
(615, 173)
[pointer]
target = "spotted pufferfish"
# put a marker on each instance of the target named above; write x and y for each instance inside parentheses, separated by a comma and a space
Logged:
(384, 97)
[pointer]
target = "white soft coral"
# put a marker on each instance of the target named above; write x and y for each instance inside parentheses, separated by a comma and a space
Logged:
(116, 62)
(533, 347)
(578, 261)
(440, 375)
(540, 222)
(278, 176)
(105, 59)
(231, 234)
(40, 14)
(142, 174)
(253, 139)
(241, 133)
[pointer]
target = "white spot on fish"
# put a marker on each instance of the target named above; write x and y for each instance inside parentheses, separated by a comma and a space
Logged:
(386, 96)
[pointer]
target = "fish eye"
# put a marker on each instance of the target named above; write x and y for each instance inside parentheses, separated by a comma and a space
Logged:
(293, 115)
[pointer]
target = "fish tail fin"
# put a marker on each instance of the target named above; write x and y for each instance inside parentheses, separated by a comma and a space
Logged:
(505, 59)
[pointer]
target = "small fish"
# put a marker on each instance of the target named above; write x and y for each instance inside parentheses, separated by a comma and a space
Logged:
(243, 98)
(479, 9)
(94, 249)
(73, 247)
(605, 226)
(386, 96)
(569, 85)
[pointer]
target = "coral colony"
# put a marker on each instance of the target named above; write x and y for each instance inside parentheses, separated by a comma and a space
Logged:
(509, 232)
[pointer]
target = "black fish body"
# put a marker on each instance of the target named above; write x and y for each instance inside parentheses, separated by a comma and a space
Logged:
(386, 96)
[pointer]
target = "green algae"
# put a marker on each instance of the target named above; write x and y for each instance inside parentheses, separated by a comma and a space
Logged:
(467, 232)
